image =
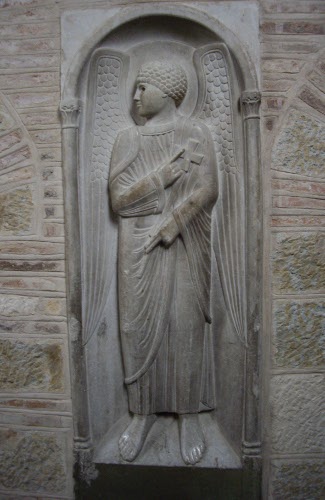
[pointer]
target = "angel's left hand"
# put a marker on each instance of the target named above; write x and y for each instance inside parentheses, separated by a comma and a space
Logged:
(166, 234)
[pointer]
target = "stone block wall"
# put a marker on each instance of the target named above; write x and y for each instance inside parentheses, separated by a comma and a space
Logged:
(293, 135)
(35, 404)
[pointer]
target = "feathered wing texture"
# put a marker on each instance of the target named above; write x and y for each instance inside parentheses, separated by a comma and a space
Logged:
(215, 108)
(105, 118)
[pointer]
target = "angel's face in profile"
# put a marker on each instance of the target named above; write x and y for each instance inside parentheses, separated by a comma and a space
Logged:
(149, 99)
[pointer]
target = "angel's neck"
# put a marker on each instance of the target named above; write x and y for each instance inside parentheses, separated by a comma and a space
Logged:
(166, 115)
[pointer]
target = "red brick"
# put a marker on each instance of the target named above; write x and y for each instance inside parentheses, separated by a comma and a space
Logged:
(15, 157)
(303, 28)
(26, 80)
(10, 140)
(304, 187)
(298, 202)
(297, 220)
(310, 98)
(16, 47)
(275, 103)
(268, 27)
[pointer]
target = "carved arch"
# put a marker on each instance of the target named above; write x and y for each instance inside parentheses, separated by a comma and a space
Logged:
(70, 113)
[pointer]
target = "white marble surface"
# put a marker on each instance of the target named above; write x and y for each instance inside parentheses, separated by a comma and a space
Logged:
(80, 29)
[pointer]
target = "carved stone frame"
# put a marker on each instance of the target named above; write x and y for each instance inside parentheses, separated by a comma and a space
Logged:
(70, 110)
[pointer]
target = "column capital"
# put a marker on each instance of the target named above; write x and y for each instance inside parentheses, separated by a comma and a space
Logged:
(250, 104)
(70, 110)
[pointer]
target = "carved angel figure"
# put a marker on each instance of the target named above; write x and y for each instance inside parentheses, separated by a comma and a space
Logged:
(163, 184)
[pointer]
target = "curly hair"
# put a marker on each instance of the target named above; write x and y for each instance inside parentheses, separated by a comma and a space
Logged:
(169, 78)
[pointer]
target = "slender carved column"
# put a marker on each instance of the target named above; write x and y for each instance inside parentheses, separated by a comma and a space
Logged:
(250, 103)
(70, 122)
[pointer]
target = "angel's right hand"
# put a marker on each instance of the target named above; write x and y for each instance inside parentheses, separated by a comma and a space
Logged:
(172, 171)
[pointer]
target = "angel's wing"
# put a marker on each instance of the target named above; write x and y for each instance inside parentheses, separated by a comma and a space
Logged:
(105, 117)
(215, 107)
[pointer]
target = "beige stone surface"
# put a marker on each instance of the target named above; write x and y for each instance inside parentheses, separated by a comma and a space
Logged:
(297, 411)
(298, 262)
(32, 461)
(298, 479)
(300, 147)
(16, 211)
(31, 366)
(299, 334)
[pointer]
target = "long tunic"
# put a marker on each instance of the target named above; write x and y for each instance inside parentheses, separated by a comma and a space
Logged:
(164, 296)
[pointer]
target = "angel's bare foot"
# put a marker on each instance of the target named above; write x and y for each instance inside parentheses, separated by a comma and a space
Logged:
(191, 437)
(133, 438)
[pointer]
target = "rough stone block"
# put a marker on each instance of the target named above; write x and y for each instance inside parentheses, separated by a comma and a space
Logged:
(21, 305)
(31, 366)
(298, 262)
(33, 461)
(297, 411)
(298, 479)
(299, 334)
(300, 147)
(17, 211)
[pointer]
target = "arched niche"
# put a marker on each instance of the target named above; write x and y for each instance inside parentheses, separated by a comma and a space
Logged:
(100, 401)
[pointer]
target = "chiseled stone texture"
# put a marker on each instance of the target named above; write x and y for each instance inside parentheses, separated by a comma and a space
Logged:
(32, 461)
(31, 366)
(299, 334)
(298, 262)
(300, 148)
(298, 480)
(20, 305)
(16, 211)
(297, 413)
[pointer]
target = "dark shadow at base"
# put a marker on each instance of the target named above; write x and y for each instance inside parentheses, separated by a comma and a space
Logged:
(127, 482)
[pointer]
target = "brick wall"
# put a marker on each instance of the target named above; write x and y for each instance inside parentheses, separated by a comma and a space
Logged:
(36, 418)
(293, 119)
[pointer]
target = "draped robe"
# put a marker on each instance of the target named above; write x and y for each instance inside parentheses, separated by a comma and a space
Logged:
(164, 296)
